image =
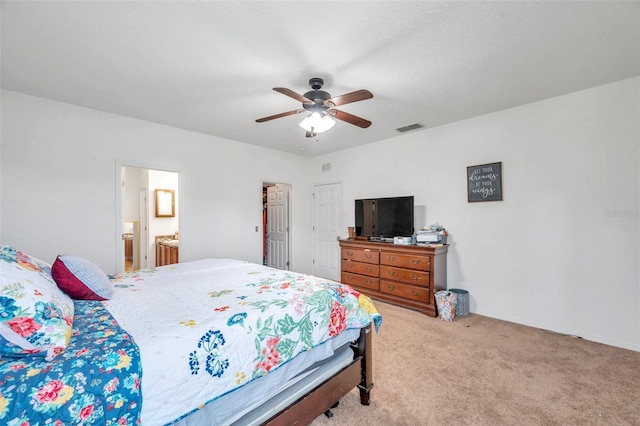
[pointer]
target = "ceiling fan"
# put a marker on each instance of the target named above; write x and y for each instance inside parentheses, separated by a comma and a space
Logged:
(322, 108)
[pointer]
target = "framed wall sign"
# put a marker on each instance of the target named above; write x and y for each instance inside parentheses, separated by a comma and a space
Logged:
(484, 182)
(165, 203)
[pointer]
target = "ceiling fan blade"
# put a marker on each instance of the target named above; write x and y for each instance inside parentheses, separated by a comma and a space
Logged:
(350, 118)
(358, 95)
(292, 94)
(282, 114)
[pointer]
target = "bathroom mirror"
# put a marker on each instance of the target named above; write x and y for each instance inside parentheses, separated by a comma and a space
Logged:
(165, 203)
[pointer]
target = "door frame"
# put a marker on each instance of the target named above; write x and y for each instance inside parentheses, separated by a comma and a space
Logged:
(119, 225)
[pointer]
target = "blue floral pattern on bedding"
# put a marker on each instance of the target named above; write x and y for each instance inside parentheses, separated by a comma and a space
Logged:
(96, 380)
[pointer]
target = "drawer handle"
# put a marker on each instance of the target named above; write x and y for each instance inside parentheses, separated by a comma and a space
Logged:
(392, 273)
(368, 256)
(391, 287)
(368, 269)
(416, 261)
(391, 258)
(415, 277)
(349, 253)
(415, 293)
(368, 282)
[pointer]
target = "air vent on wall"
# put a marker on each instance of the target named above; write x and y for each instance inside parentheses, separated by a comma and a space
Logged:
(410, 127)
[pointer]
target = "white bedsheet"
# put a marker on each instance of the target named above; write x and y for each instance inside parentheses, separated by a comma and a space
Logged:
(208, 327)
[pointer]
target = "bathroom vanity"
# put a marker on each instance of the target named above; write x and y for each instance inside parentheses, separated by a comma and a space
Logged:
(167, 250)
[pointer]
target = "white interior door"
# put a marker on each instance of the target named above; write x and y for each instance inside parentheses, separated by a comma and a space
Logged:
(278, 226)
(327, 223)
(144, 229)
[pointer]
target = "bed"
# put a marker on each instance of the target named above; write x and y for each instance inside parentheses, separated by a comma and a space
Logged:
(209, 342)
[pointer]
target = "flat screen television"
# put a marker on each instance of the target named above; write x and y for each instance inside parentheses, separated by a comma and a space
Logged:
(380, 218)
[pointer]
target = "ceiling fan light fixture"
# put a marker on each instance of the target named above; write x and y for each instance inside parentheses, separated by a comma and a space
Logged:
(317, 123)
(321, 108)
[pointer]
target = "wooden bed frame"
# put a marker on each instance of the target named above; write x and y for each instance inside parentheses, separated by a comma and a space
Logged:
(326, 396)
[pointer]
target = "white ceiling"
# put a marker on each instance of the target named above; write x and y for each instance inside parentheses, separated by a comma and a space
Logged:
(210, 66)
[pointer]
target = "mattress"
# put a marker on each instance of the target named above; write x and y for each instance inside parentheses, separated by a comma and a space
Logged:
(211, 329)
(260, 400)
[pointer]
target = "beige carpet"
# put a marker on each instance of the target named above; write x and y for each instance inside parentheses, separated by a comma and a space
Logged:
(481, 371)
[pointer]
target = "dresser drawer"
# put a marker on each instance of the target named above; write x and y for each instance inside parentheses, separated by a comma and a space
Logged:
(422, 263)
(366, 256)
(419, 294)
(361, 281)
(360, 268)
(408, 276)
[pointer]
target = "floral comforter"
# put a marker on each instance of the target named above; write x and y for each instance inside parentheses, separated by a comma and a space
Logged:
(96, 380)
(208, 327)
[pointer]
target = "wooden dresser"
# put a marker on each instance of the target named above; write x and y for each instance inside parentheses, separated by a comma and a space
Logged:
(405, 275)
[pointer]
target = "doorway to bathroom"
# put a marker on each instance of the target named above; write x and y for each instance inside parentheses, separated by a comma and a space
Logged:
(149, 218)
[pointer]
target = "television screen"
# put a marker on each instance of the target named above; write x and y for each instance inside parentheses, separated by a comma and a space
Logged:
(384, 217)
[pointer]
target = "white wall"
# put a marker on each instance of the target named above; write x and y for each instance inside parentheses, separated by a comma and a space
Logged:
(59, 186)
(561, 251)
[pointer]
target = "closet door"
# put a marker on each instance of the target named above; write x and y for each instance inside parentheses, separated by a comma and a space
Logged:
(278, 226)
(327, 225)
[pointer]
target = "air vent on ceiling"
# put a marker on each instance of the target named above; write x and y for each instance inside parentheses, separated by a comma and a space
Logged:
(410, 127)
